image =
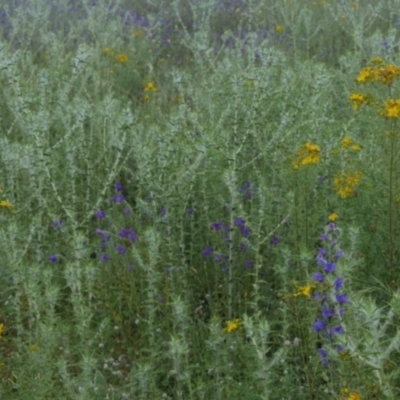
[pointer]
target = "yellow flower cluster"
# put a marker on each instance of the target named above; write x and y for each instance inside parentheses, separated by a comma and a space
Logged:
(308, 154)
(383, 74)
(346, 182)
(350, 395)
(122, 58)
(150, 87)
(348, 143)
(391, 108)
(304, 290)
(233, 325)
(6, 204)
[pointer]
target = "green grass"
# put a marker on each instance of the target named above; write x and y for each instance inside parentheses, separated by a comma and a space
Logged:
(187, 123)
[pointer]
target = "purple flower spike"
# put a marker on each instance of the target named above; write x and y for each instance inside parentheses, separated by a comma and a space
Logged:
(104, 257)
(127, 212)
(53, 258)
(100, 214)
(249, 264)
(207, 251)
(319, 325)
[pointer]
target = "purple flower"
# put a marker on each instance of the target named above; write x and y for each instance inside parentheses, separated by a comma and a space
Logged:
(321, 261)
(243, 246)
(324, 237)
(340, 348)
(207, 251)
(118, 187)
(342, 298)
(99, 232)
(127, 212)
(249, 264)
(53, 258)
(318, 277)
(118, 198)
(322, 352)
(240, 222)
(338, 284)
(217, 257)
(121, 249)
(332, 225)
(100, 214)
(275, 240)
(190, 211)
(132, 237)
(216, 226)
(322, 251)
(128, 233)
(163, 211)
(329, 267)
(319, 325)
(319, 296)
(337, 330)
(57, 223)
(339, 254)
(104, 257)
(245, 230)
(327, 312)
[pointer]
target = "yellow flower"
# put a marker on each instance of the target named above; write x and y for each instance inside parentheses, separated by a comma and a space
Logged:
(358, 99)
(333, 217)
(279, 29)
(308, 154)
(232, 325)
(377, 60)
(387, 74)
(354, 396)
(146, 97)
(6, 204)
(391, 108)
(304, 290)
(122, 58)
(347, 142)
(34, 347)
(367, 74)
(1, 330)
(345, 183)
(150, 87)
